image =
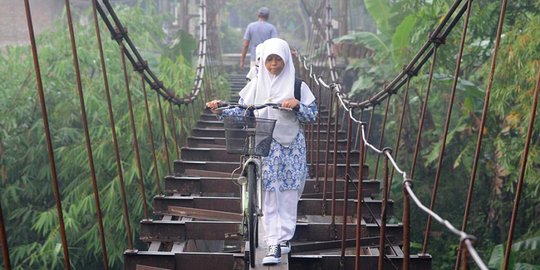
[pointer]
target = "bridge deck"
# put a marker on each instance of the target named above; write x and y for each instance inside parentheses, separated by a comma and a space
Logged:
(198, 220)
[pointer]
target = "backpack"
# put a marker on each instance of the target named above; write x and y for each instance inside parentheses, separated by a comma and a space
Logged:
(297, 88)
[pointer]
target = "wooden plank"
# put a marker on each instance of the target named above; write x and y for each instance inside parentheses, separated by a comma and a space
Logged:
(146, 267)
(154, 246)
(178, 247)
(204, 214)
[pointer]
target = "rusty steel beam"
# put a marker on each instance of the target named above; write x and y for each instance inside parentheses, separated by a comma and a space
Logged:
(184, 260)
(229, 261)
(213, 168)
(220, 133)
(224, 204)
(176, 231)
(204, 214)
(220, 154)
(306, 206)
(335, 244)
(187, 185)
(216, 142)
(331, 262)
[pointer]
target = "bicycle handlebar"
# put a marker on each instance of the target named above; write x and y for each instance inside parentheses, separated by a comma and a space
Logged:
(224, 106)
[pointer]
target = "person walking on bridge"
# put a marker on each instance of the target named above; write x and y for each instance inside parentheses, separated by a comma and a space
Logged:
(284, 170)
(256, 33)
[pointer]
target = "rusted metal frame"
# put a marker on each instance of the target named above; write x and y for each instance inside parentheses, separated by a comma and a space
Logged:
(152, 80)
(147, 260)
(163, 203)
(373, 216)
(327, 152)
(381, 139)
(329, 43)
(48, 138)
(522, 170)
(446, 128)
(3, 242)
(189, 125)
(378, 97)
(399, 80)
(182, 127)
(400, 128)
(192, 119)
(205, 214)
(165, 144)
(88, 142)
(464, 256)
(152, 143)
(334, 164)
(360, 197)
(484, 118)
(174, 130)
(406, 219)
(210, 185)
(423, 114)
(382, 249)
(311, 128)
(357, 139)
(335, 244)
(370, 124)
(332, 262)
(436, 182)
(198, 104)
(317, 156)
(347, 179)
(110, 108)
(136, 148)
(306, 206)
(176, 230)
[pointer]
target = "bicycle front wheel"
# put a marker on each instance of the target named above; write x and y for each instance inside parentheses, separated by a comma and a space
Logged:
(252, 212)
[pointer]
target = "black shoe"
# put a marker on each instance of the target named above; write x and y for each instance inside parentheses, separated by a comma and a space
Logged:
(273, 256)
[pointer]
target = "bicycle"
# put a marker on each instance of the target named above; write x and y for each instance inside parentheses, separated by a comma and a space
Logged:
(251, 137)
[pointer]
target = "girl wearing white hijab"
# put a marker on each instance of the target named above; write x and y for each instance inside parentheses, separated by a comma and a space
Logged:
(285, 168)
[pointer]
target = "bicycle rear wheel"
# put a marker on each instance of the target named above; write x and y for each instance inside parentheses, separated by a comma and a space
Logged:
(252, 212)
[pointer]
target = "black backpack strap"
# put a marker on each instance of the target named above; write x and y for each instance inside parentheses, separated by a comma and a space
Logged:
(297, 88)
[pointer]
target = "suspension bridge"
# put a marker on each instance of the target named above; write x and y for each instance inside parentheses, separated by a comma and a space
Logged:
(346, 216)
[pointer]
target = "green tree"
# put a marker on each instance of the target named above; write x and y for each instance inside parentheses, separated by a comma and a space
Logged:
(26, 191)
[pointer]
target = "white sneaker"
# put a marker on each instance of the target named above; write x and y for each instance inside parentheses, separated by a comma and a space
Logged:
(273, 256)
(285, 247)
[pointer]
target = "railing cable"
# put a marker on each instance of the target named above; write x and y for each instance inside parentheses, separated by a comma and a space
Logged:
(446, 126)
(48, 137)
(483, 119)
(165, 144)
(152, 143)
(135, 147)
(87, 138)
(3, 242)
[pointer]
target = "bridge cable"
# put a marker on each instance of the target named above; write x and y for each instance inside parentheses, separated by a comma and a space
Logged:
(151, 134)
(483, 119)
(88, 141)
(466, 240)
(48, 138)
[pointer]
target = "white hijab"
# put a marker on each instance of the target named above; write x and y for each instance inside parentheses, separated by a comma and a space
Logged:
(252, 74)
(268, 88)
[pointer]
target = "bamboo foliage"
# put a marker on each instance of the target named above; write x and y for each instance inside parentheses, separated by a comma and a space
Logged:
(25, 189)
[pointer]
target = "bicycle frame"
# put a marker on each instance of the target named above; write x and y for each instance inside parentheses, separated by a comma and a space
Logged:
(256, 160)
